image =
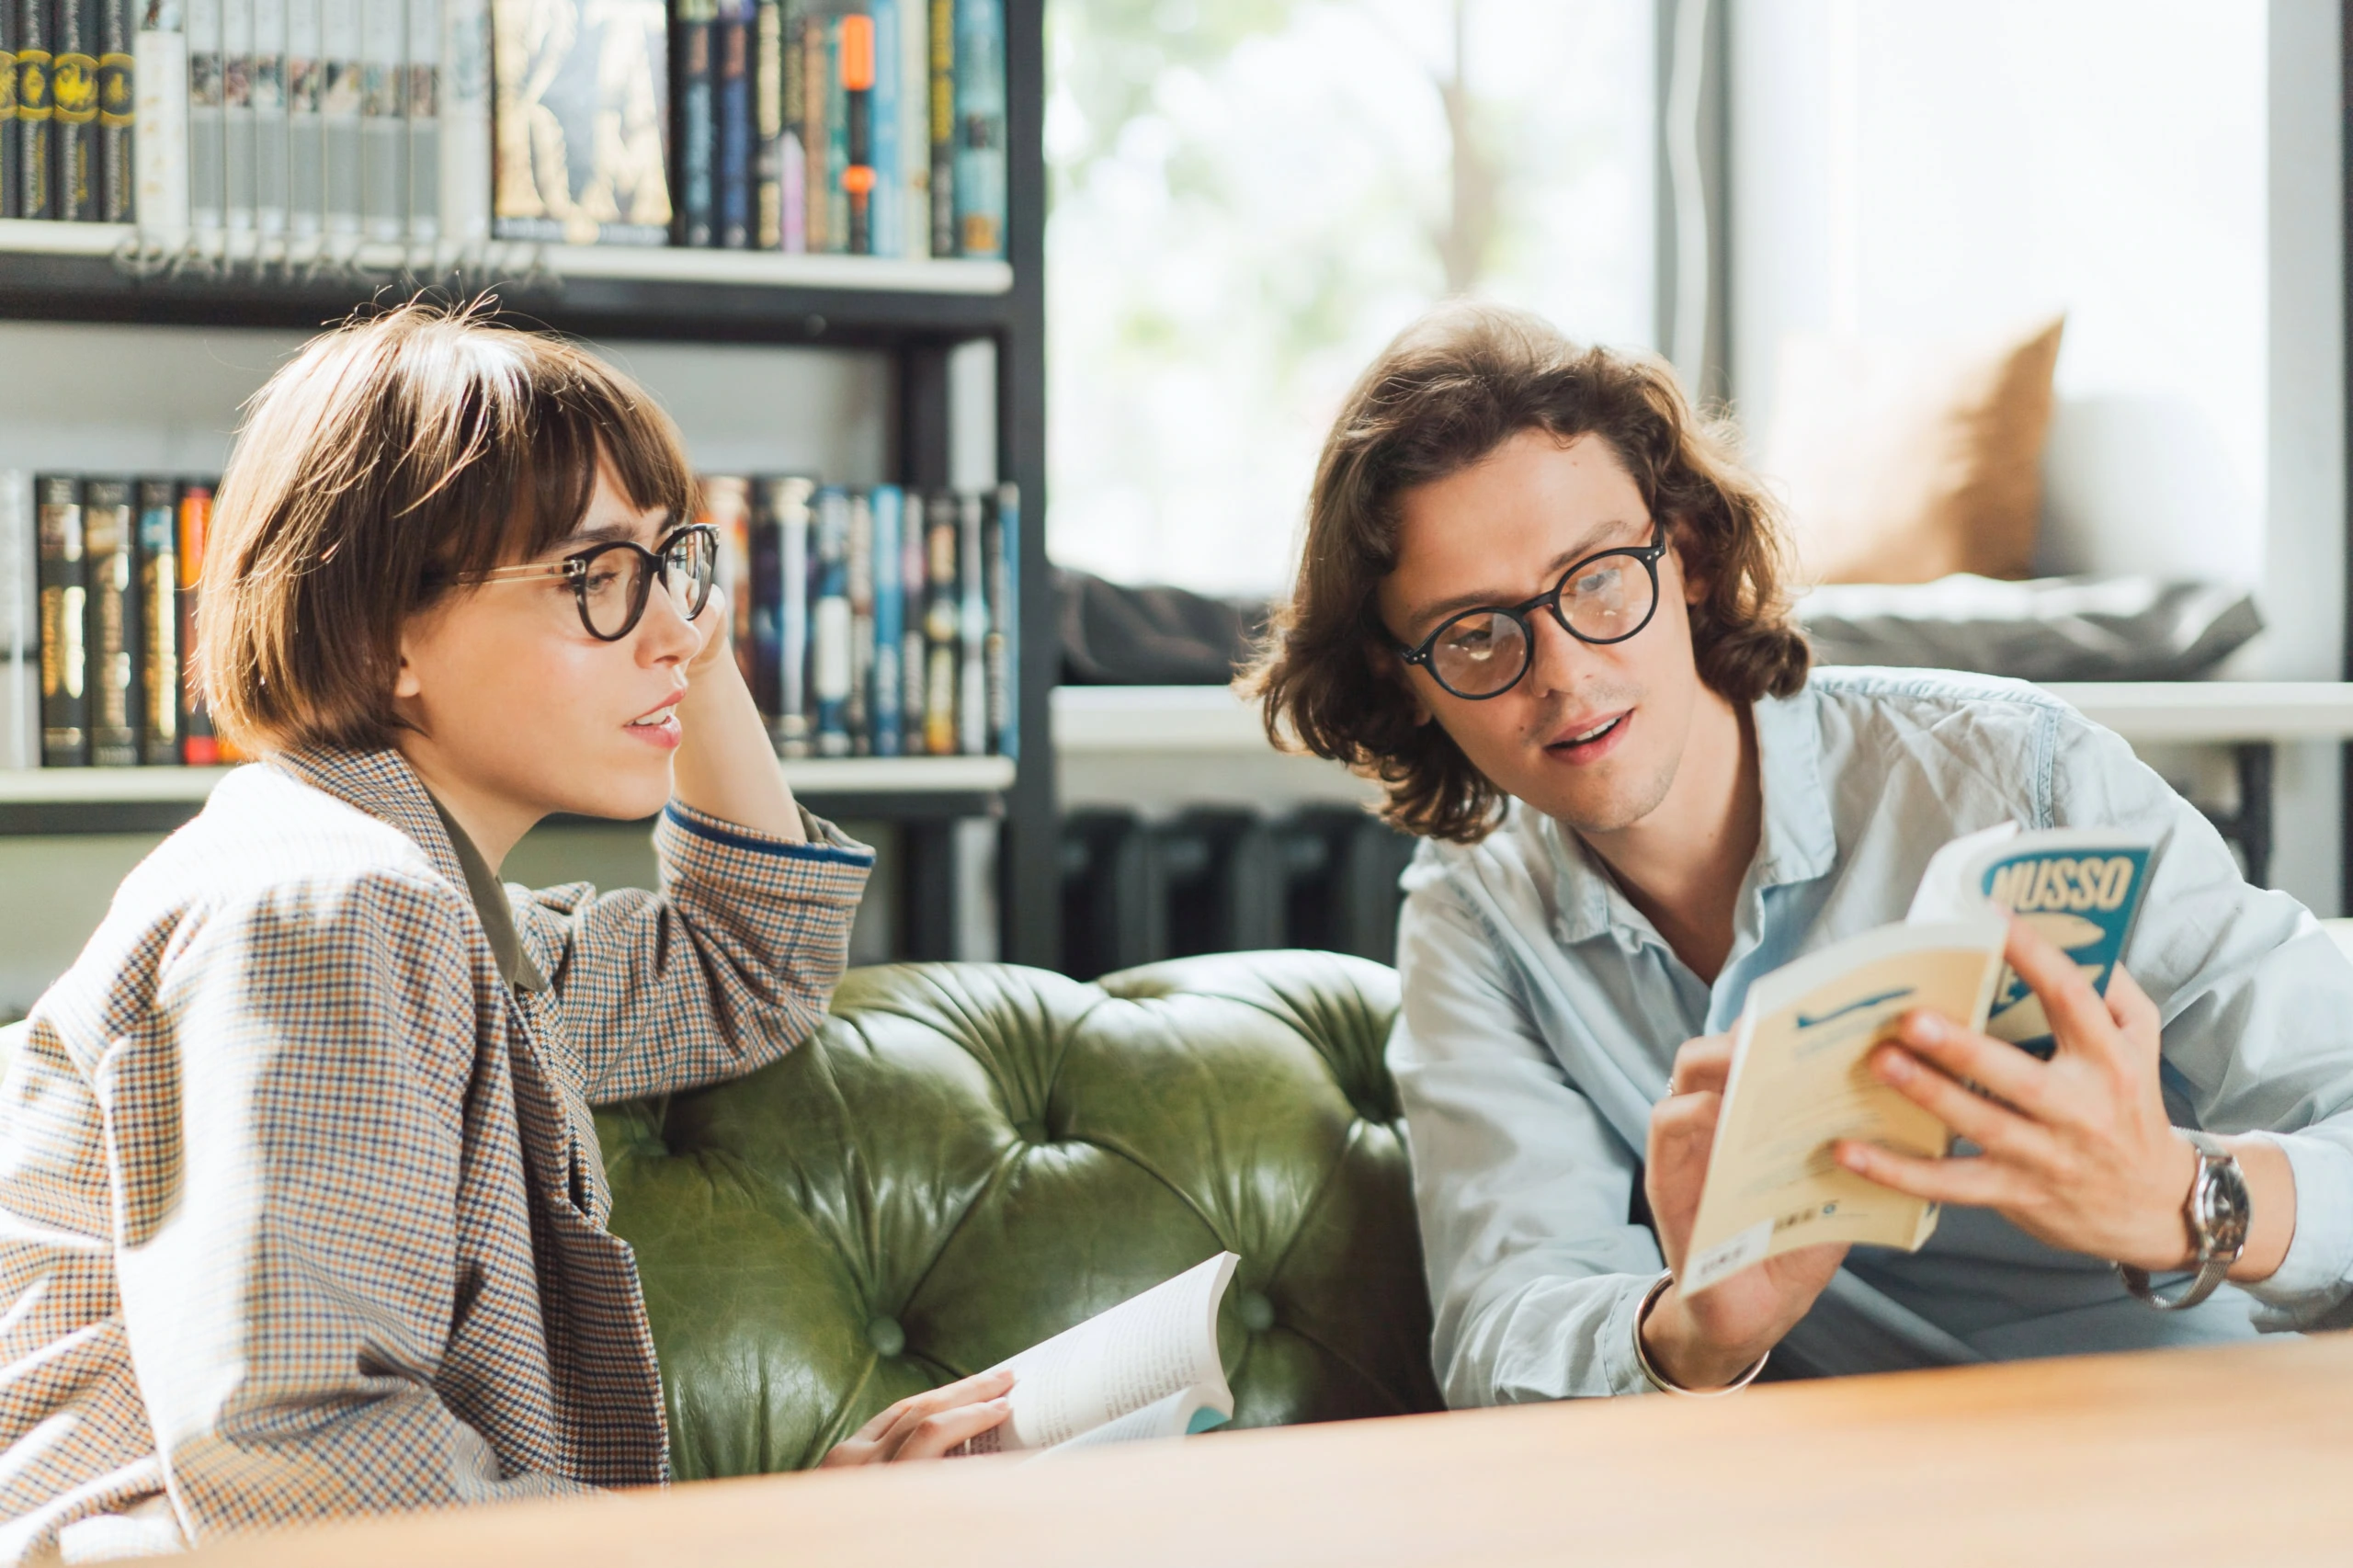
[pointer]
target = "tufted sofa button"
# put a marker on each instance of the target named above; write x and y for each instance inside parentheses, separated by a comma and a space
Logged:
(887, 1337)
(1256, 1313)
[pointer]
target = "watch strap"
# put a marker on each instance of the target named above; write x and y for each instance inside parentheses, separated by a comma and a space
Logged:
(2213, 1263)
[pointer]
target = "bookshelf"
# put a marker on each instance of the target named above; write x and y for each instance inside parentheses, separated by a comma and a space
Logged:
(914, 314)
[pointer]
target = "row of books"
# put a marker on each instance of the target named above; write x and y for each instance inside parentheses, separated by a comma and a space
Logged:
(874, 623)
(865, 127)
(98, 588)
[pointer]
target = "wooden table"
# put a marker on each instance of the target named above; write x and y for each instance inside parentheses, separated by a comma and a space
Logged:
(2242, 1454)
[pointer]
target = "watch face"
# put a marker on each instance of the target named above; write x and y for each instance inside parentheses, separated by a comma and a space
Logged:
(2225, 1208)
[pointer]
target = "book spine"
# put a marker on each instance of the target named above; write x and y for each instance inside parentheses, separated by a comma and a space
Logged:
(858, 711)
(726, 505)
(110, 637)
(768, 125)
(732, 109)
(980, 128)
(117, 113)
(913, 73)
(973, 629)
(198, 746)
(1001, 553)
(160, 141)
(764, 594)
(156, 573)
(12, 172)
(912, 643)
(792, 144)
(829, 629)
(885, 203)
(383, 136)
(74, 98)
(36, 125)
(889, 504)
(273, 167)
(697, 121)
(342, 98)
(833, 193)
(940, 625)
(19, 624)
(421, 106)
(64, 595)
(237, 115)
(465, 123)
(206, 180)
(941, 102)
(789, 498)
(815, 214)
(855, 55)
(306, 148)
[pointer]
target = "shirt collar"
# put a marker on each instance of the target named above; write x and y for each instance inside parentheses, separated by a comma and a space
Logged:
(382, 783)
(1797, 840)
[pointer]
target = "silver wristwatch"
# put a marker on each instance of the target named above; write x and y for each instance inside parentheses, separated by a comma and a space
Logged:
(2216, 1212)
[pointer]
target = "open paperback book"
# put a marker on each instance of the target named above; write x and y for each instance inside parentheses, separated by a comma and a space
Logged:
(1148, 1368)
(1801, 1079)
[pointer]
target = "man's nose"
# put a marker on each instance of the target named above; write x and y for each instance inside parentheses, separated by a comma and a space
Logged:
(1553, 653)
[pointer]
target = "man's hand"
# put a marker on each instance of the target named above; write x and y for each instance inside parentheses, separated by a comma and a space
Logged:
(1707, 1340)
(927, 1426)
(2078, 1151)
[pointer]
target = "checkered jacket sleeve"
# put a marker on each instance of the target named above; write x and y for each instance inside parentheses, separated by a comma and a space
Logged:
(732, 963)
(287, 1238)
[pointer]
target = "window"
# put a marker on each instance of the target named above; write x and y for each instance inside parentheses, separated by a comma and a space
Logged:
(1250, 196)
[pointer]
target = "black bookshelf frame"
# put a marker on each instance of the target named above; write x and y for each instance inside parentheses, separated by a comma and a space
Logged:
(916, 327)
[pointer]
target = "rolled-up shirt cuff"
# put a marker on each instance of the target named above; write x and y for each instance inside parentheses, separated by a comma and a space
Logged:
(1621, 1373)
(2312, 1277)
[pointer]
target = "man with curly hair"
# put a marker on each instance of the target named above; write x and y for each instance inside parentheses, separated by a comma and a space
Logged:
(1542, 605)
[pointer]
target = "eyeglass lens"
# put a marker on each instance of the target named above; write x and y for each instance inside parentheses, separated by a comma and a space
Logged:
(1484, 651)
(616, 581)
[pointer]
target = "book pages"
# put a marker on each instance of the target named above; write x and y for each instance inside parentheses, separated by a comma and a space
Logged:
(1800, 1081)
(1147, 1350)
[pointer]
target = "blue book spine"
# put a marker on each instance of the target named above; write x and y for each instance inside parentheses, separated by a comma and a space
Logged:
(887, 224)
(733, 106)
(980, 137)
(829, 623)
(1006, 622)
(890, 618)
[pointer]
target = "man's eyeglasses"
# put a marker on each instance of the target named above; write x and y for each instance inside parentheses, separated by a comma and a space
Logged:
(612, 583)
(1604, 598)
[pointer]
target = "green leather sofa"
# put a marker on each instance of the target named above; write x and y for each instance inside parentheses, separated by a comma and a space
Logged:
(970, 1157)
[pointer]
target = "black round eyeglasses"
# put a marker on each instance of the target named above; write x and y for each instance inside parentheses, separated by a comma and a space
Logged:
(613, 583)
(1478, 654)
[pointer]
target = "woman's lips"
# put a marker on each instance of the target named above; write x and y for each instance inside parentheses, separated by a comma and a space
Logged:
(659, 728)
(1589, 740)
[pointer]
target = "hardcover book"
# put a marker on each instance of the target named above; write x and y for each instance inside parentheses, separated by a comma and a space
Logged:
(384, 120)
(726, 505)
(829, 633)
(73, 97)
(854, 58)
(117, 111)
(35, 110)
(913, 675)
(342, 104)
(764, 595)
(768, 125)
(156, 571)
(1799, 1079)
(792, 138)
(579, 103)
(940, 101)
(65, 596)
(20, 735)
(12, 172)
(942, 640)
(198, 746)
(237, 115)
(858, 715)
(692, 23)
(888, 683)
(108, 531)
(787, 501)
(732, 110)
(306, 147)
(1000, 546)
(160, 141)
(980, 128)
(886, 204)
(421, 108)
(465, 123)
(971, 627)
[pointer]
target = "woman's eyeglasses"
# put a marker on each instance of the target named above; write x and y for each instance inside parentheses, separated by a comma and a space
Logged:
(612, 583)
(1606, 598)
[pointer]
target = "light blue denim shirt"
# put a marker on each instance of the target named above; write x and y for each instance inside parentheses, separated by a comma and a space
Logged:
(1542, 1011)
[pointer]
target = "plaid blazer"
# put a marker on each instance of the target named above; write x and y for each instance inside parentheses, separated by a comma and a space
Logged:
(301, 1209)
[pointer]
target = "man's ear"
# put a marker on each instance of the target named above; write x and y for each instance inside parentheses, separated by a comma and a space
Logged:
(1695, 584)
(1387, 667)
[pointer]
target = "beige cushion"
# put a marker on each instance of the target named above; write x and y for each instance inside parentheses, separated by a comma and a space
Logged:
(1904, 461)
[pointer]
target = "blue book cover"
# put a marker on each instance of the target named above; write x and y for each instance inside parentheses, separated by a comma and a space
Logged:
(887, 206)
(889, 503)
(732, 106)
(829, 623)
(980, 135)
(2080, 889)
(787, 501)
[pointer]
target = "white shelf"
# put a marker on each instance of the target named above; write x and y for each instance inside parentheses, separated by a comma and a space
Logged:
(662, 264)
(814, 776)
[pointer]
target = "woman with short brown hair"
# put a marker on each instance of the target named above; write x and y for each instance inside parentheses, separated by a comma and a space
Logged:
(301, 1209)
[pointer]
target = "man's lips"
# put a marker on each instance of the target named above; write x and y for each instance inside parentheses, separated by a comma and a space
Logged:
(1590, 730)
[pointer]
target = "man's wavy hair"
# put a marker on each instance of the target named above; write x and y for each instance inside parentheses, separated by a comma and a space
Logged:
(1444, 395)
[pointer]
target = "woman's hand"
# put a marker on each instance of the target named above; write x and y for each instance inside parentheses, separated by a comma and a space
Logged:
(926, 1425)
(711, 625)
(2077, 1152)
(1707, 1340)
